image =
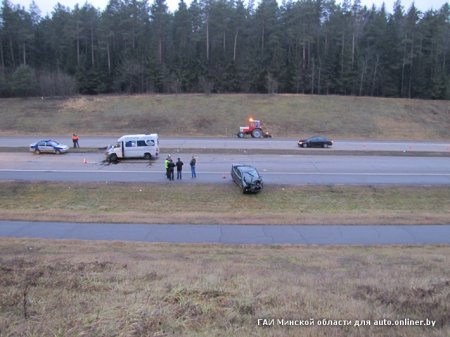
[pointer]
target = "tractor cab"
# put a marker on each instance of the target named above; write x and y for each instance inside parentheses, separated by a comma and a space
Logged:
(254, 124)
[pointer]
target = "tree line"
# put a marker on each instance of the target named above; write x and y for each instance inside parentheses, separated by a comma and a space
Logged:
(222, 46)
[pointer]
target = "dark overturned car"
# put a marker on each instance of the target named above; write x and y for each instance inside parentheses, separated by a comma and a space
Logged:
(247, 178)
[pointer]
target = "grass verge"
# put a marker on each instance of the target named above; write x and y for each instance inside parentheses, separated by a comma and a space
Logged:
(221, 115)
(222, 204)
(70, 288)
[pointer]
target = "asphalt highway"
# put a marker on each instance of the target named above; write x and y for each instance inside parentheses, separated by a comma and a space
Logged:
(233, 142)
(231, 234)
(289, 169)
(215, 168)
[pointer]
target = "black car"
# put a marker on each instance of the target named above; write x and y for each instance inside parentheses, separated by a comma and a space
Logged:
(247, 178)
(316, 141)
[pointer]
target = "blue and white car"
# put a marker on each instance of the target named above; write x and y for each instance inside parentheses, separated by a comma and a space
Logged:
(48, 146)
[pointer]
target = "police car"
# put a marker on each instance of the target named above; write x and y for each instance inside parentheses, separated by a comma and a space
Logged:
(48, 146)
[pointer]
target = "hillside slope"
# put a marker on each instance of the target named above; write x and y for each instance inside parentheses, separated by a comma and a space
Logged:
(221, 115)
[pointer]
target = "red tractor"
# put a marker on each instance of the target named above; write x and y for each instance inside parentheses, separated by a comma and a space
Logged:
(255, 128)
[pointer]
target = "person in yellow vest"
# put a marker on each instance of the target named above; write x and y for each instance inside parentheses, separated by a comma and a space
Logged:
(75, 141)
(166, 166)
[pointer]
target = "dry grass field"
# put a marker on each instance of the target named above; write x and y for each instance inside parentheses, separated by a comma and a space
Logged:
(221, 115)
(70, 288)
(223, 204)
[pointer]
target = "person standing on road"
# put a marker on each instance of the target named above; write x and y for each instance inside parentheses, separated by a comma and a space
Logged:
(171, 169)
(179, 165)
(166, 166)
(193, 163)
(75, 139)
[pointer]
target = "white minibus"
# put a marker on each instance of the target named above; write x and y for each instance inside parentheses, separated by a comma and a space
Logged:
(134, 146)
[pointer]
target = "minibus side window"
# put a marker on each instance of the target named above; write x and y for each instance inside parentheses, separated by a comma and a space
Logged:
(141, 143)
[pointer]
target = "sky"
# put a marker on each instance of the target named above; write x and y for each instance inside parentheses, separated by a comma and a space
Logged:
(46, 6)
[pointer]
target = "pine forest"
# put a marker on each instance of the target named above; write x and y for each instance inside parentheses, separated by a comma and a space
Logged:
(317, 47)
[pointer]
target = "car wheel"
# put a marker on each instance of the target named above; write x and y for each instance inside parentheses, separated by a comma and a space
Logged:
(57, 152)
(37, 151)
(147, 156)
(305, 145)
(113, 158)
(240, 135)
(324, 146)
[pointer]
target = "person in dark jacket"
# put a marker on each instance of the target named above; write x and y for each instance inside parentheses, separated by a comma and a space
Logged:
(171, 169)
(179, 165)
(192, 163)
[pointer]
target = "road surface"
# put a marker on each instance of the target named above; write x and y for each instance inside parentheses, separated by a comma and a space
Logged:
(231, 234)
(248, 143)
(215, 168)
